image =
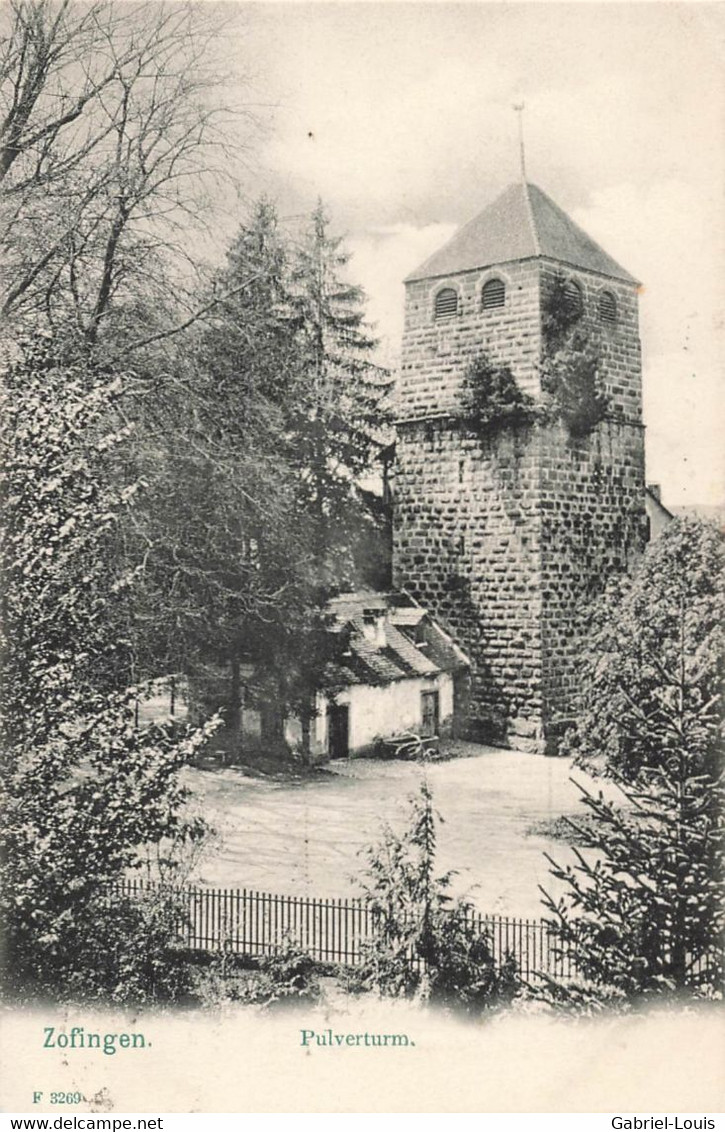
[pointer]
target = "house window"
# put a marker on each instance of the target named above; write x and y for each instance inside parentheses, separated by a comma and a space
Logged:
(446, 302)
(572, 297)
(493, 294)
(607, 307)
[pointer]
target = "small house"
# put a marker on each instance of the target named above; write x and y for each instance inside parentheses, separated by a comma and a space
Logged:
(396, 672)
(658, 516)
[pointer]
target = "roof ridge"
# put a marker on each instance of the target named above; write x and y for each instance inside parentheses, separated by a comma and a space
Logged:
(530, 214)
(521, 223)
(454, 238)
(582, 233)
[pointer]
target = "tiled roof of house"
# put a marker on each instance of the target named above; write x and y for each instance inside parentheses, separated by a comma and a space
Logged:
(350, 605)
(442, 651)
(522, 223)
(407, 615)
(409, 644)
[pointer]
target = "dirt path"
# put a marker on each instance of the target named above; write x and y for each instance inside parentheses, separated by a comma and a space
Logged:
(305, 837)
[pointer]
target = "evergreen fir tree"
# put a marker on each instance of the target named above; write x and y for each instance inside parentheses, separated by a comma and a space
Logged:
(254, 505)
(338, 423)
(650, 676)
(644, 910)
(231, 565)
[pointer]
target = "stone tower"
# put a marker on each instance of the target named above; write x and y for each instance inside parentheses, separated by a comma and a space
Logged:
(506, 533)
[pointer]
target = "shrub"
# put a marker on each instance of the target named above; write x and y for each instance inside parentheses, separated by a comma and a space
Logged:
(490, 397)
(134, 953)
(560, 316)
(425, 943)
(109, 947)
(288, 976)
(570, 369)
(82, 790)
(571, 379)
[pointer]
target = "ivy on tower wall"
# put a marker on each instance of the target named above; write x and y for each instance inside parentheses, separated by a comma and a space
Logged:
(571, 370)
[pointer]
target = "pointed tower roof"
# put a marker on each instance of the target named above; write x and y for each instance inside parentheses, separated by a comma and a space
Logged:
(522, 223)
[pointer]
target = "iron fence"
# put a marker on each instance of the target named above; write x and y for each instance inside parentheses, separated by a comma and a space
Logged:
(246, 922)
(335, 931)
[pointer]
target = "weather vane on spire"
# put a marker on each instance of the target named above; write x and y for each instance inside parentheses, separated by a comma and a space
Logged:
(519, 108)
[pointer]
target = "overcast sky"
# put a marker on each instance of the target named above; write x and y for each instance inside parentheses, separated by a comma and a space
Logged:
(399, 116)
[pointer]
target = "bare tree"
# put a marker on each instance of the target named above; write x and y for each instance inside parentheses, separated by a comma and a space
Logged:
(114, 135)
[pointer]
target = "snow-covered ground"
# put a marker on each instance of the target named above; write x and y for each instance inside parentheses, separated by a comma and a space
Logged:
(305, 837)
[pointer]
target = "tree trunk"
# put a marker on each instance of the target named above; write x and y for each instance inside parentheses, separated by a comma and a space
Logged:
(234, 715)
(306, 722)
(272, 726)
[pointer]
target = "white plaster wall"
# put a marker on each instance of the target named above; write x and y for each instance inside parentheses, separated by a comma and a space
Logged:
(445, 689)
(381, 712)
(293, 731)
(154, 702)
(659, 517)
(318, 730)
(252, 723)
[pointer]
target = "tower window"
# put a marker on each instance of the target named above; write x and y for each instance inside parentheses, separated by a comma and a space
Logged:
(493, 294)
(607, 307)
(446, 302)
(572, 297)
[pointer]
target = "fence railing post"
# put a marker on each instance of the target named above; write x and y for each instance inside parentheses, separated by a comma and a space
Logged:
(335, 930)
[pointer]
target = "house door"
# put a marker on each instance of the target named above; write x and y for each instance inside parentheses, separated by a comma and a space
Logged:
(338, 724)
(429, 713)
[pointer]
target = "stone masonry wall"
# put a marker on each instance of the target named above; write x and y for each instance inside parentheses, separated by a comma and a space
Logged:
(591, 491)
(592, 526)
(436, 351)
(618, 343)
(467, 546)
(505, 537)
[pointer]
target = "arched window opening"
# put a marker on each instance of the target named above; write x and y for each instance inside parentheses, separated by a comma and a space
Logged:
(493, 294)
(607, 307)
(446, 302)
(572, 297)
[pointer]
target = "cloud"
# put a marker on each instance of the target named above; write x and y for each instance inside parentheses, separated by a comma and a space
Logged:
(399, 116)
(684, 415)
(381, 258)
(670, 235)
